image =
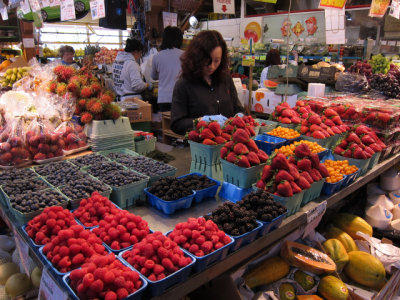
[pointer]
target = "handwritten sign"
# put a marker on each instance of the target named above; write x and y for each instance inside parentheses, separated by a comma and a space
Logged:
(4, 14)
(49, 289)
(314, 216)
(97, 9)
(67, 9)
(332, 3)
(224, 6)
(169, 19)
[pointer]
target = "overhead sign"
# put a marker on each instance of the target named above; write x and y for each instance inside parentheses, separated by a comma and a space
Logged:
(378, 8)
(224, 6)
(332, 4)
(169, 19)
(395, 9)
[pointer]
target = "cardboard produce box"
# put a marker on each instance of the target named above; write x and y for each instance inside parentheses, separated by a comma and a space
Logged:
(19, 62)
(142, 114)
(322, 75)
(265, 101)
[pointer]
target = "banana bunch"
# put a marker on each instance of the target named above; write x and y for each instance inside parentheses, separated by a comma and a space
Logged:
(13, 75)
(47, 52)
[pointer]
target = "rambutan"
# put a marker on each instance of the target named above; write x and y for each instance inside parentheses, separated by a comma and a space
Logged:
(77, 110)
(89, 103)
(106, 99)
(52, 86)
(113, 111)
(96, 87)
(110, 93)
(61, 89)
(83, 80)
(96, 107)
(82, 103)
(73, 86)
(86, 117)
(64, 72)
(86, 92)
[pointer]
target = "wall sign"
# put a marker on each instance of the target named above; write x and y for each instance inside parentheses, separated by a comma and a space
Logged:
(224, 6)
(97, 9)
(67, 9)
(395, 9)
(169, 19)
(332, 4)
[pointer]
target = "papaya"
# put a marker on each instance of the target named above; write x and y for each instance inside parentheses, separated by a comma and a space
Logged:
(343, 237)
(365, 269)
(268, 271)
(335, 249)
(351, 224)
(286, 292)
(307, 258)
(308, 297)
(306, 281)
(332, 288)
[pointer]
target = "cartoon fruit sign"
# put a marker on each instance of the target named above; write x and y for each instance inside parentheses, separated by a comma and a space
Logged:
(298, 29)
(311, 24)
(253, 31)
(285, 29)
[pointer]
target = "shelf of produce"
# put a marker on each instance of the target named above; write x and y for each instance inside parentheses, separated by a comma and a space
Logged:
(164, 223)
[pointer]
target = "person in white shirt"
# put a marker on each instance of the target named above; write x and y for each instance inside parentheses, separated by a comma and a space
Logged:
(166, 66)
(128, 79)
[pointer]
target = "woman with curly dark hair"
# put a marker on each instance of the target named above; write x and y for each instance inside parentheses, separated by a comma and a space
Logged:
(205, 86)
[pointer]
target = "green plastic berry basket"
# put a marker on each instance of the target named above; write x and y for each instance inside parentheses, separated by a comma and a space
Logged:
(145, 146)
(291, 203)
(291, 126)
(326, 142)
(313, 192)
(374, 160)
(362, 164)
(212, 171)
(126, 196)
(205, 154)
(268, 127)
(241, 177)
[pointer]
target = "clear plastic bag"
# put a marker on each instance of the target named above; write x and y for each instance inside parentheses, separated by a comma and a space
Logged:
(350, 82)
(13, 149)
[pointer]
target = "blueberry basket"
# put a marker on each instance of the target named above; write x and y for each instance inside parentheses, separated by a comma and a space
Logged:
(134, 296)
(127, 195)
(313, 192)
(169, 207)
(291, 203)
(202, 262)
(241, 177)
(158, 287)
(246, 238)
(331, 188)
(209, 192)
(269, 143)
(269, 226)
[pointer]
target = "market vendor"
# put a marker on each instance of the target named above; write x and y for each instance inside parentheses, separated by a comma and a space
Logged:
(205, 86)
(128, 79)
(167, 66)
(67, 54)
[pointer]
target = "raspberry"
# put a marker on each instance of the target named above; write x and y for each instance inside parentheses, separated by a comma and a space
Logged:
(130, 226)
(84, 234)
(218, 245)
(167, 263)
(119, 281)
(125, 237)
(201, 221)
(121, 229)
(175, 259)
(76, 228)
(88, 279)
(195, 234)
(65, 262)
(78, 259)
(210, 225)
(162, 252)
(115, 245)
(160, 276)
(109, 277)
(199, 253)
(167, 244)
(208, 234)
(183, 262)
(226, 240)
(77, 274)
(158, 269)
(100, 260)
(187, 232)
(214, 239)
(97, 286)
(50, 223)
(72, 241)
(133, 239)
(65, 234)
(90, 267)
(74, 249)
(207, 247)
(113, 233)
(148, 250)
(144, 271)
(110, 296)
(193, 248)
(156, 244)
(152, 277)
(125, 245)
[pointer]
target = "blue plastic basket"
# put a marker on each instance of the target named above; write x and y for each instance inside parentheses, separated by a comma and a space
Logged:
(246, 238)
(313, 192)
(158, 287)
(269, 143)
(323, 154)
(202, 262)
(291, 203)
(212, 171)
(232, 192)
(209, 192)
(32, 241)
(169, 207)
(205, 154)
(374, 160)
(269, 226)
(349, 179)
(134, 296)
(362, 164)
(330, 188)
(242, 177)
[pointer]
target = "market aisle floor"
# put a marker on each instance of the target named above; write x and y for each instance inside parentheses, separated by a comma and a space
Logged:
(182, 157)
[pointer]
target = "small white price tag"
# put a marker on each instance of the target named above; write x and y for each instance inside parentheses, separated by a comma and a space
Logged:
(35, 5)
(97, 9)
(4, 14)
(49, 289)
(23, 251)
(67, 9)
(25, 7)
(314, 216)
(28, 42)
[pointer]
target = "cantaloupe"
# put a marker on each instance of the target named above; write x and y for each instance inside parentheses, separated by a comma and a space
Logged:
(6, 270)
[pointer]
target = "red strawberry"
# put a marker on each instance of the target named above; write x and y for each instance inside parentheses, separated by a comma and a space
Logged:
(314, 160)
(243, 162)
(285, 120)
(238, 122)
(253, 158)
(303, 129)
(353, 138)
(384, 117)
(288, 113)
(207, 134)
(296, 120)
(303, 183)
(219, 140)
(224, 152)
(267, 173)
(362, 129)
(330, 131)
(226, 136)
(314, 119)
(302, 150)
(337, 120)
(240, 136)
(194, 136)
(369, 150)
(230, 145)
(367, 139)
(262, 156)
(261, 184)
(323, 170)
(240, 148)
(307, 176)
(329, 123)
(359, 154)
(296, 189)
(304, 164)
(315, 127)
(280, 162)
(215, 128)
(347, 153)
(283, 175)
(252, 146)
(285, 189)
(339, 150)
(228, 128)
(316, 176)
(293, 171)
(209, 142)
(201, 124)
(343, 144)
(329, 112)
(231, 157)
(376, 147)
(318, 135)
(336, 130)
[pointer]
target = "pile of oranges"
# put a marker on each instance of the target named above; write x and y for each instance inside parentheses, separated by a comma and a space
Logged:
(288, 150)
(337, 169)
(285, 133)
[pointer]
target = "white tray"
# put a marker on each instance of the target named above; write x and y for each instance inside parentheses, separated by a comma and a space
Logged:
(48, 160)
(69, 152)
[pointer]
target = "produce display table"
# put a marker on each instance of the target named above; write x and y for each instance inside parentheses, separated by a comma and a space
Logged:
(161, 222)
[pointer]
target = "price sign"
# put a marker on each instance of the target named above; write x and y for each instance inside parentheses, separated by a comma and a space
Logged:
(25, 7)
(49, 289)
(23, 251)
(67, 9)
(327, 59)
(332, 4)
(35, 5)
(97, 9)
(4, 14)
(314, 216)
(248, 60)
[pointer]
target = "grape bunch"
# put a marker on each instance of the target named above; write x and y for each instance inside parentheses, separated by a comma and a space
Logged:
(388, 85)
(362, 68)
(379, 63)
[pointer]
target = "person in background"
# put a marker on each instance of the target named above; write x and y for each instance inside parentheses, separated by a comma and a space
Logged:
(127, 77)
(205, 86)
(167, 66)
(273, 58)
(66, 54)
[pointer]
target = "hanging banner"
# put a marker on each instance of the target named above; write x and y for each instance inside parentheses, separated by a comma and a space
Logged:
(224, 7)
(267, 1)
(335, 32)
(378, 8)
(67, 10)
(332, 4)
(169, 19)
(97, 9)
(395, 9)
